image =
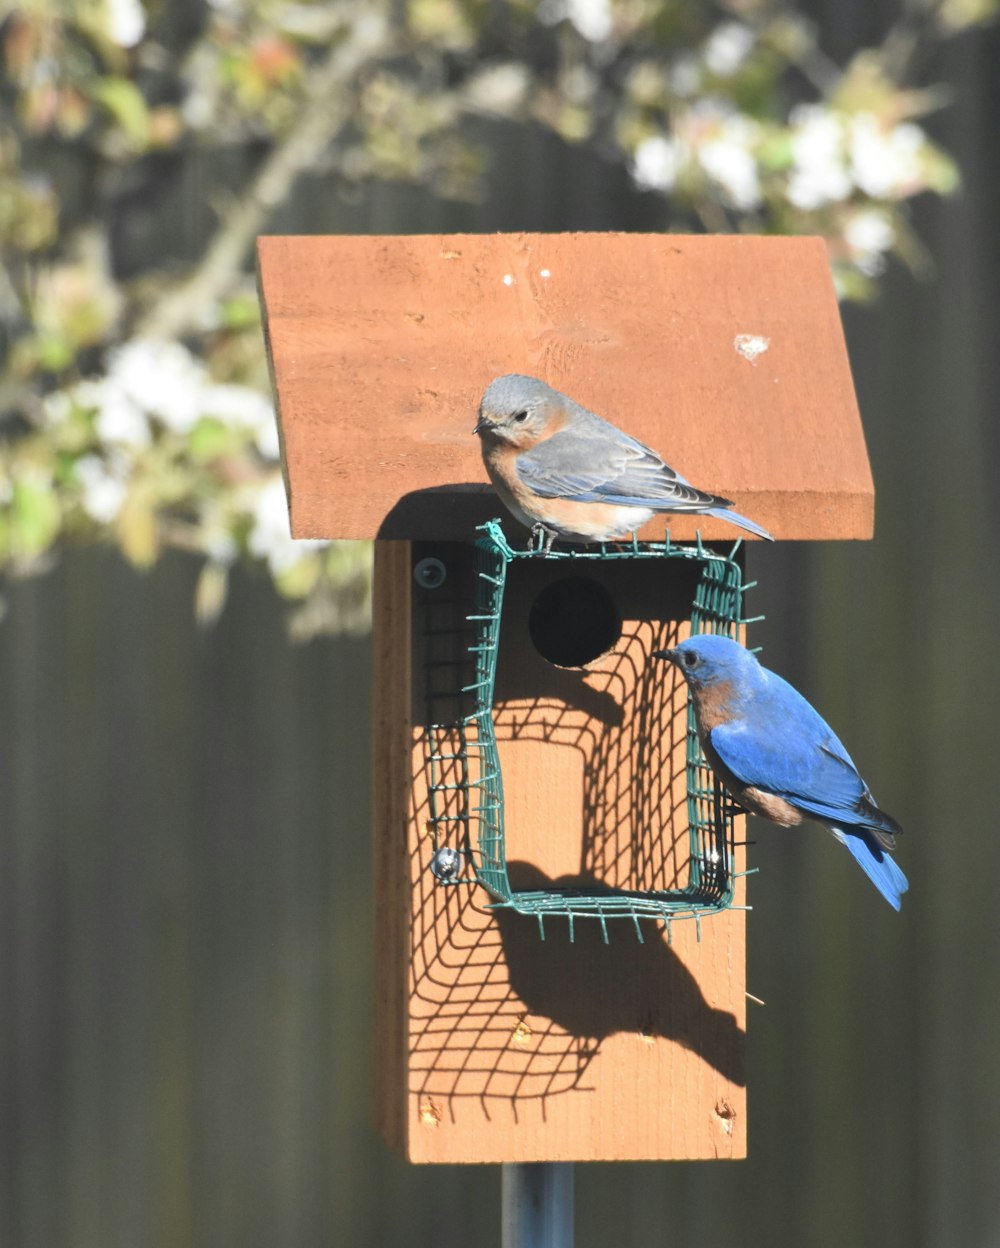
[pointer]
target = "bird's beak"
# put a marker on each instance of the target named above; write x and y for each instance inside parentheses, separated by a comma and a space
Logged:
(669, 655)
(482, 424)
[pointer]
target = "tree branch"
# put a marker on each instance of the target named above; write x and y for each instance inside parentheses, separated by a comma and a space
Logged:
(327, 107)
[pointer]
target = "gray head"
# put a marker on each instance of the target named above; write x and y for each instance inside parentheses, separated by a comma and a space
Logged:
(706, 658)
(517, 409)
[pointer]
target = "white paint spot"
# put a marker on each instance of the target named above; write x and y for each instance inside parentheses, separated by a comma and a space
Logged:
(751, 345)
(544, 273)
(508, 279)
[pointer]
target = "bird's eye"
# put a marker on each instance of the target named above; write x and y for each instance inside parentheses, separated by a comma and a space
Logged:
(521, 416)
(690, 658)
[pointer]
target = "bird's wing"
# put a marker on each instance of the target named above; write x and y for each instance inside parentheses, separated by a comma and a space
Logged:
(596, 463)
(810, 769)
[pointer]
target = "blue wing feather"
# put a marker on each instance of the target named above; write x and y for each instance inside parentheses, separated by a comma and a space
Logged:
(591, 464)
(797, 758)
(595, 462)
(785, 747)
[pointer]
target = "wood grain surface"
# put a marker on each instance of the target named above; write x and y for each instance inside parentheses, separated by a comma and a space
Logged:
(493, 1044)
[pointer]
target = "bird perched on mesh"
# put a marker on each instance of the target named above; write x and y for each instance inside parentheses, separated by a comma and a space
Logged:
(779, 758)
(567, 473)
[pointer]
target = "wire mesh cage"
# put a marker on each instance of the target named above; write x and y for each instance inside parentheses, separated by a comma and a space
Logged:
(465, 780)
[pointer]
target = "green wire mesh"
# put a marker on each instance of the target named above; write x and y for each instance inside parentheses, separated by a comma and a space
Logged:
(463, 758)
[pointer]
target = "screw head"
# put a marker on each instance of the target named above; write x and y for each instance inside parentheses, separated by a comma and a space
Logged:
(430, 573)
(446, 863)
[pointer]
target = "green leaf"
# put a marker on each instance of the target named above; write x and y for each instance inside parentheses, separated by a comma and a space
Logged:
(240, 312)
(957, 15)
(777, 152)
(53, 352)
(299, 579)
(940, 170)
(35, 518)
(127, 106)
(209, 439)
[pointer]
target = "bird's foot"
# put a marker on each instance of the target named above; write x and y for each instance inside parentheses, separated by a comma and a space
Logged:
(541, 538)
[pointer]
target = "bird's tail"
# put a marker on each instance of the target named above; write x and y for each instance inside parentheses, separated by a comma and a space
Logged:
(734, 517)
(875, 862)
(879, 822)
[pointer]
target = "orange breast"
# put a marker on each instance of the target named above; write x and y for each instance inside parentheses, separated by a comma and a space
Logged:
(712, 705)
(712, 708)
(768, 806)
(585, 522)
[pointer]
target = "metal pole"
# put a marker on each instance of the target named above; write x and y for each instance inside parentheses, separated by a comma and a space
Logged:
(536, 1202)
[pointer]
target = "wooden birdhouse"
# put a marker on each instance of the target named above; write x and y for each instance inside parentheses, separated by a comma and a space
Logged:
(569, 982)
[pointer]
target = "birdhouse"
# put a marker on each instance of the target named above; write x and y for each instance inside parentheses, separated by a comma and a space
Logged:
(560, 890)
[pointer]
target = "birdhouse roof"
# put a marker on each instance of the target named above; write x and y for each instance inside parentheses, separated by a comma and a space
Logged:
(724, 353)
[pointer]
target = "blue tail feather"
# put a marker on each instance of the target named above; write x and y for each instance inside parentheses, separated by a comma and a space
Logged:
(876, 863)
(724, 513)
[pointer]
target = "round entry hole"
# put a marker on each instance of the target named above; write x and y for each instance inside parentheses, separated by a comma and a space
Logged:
(573, 621)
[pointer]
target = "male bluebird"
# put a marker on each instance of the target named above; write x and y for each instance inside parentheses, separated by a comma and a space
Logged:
(777, 756)
(566, 472)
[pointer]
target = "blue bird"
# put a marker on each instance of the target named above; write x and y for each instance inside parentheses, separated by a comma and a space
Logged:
(779, 758)
(562, 470)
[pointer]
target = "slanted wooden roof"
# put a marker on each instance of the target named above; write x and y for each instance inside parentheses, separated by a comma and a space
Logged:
(725, 353)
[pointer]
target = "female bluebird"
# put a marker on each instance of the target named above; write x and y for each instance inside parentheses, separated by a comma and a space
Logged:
(778, 757)
(566, 472)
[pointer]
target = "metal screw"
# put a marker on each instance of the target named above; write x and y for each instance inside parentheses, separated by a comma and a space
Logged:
(446, 863)
(430, 573)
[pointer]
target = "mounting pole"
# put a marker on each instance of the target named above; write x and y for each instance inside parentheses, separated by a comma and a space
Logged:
(536, 1203)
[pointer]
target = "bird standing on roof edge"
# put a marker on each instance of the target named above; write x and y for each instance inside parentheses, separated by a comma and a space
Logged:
(567, 472)
(779, 758)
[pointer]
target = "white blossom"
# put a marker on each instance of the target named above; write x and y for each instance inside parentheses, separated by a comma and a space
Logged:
(125, 22)
(869, 234)
(656, 163)
(885, 163)
(239, 406)
(728, 161)
(592, 18)
(499, 89)
(119, 421)
(270, 537)
(266, 439)
(103, 490)
(163, 378)
(165, 382)
(727, 48)
(244, 408)
(819, 174)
